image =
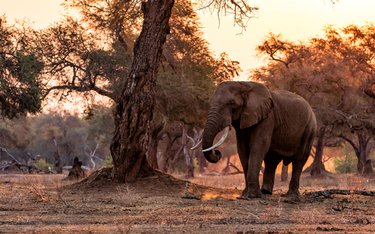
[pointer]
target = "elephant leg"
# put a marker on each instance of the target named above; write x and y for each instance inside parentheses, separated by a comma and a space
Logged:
(299, 161)
(243, 150)
(260, 140)
(294, 181)
(270, 161)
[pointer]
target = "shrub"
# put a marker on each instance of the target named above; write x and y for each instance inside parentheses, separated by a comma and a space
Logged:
(108, 161)
(346, 164)
(43, 164)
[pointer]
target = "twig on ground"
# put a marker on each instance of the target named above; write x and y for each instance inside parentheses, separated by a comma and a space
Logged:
(42, 196)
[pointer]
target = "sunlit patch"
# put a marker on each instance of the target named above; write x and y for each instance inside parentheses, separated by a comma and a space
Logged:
(194, 191)
(209, 196)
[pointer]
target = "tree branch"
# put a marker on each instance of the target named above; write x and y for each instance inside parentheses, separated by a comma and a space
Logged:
(9, 154)
(80, 89)
(286, 64)
(350, 142)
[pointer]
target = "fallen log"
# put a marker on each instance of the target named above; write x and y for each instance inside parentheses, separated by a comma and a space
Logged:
(15, 167)
(329, 192)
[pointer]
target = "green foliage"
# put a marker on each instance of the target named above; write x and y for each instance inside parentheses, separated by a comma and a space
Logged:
(100, 127)
(108, 161)
(346, 164)
(187, 75)
(372, 155)
(20, 87)
(43, 164)
(15, 133)
(183, 97)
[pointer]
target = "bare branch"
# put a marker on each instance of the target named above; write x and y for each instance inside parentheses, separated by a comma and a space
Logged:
(80, 89)
(240, 10)
(9, 154)
(356, 149)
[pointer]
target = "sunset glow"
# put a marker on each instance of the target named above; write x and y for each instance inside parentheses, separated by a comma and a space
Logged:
(294, 19)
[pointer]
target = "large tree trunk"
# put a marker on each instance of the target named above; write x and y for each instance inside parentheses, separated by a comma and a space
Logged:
(153, 146)
(317, 167)
(57, 157)
(364, 164)
(370, 90)
(135, 106)
(152, 153)
(368, 168)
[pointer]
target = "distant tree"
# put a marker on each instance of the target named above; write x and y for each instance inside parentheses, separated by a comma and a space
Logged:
(14, 139)
(20, 88)
(57, 138)
(60, 138)
(99, 132)
(332, 73)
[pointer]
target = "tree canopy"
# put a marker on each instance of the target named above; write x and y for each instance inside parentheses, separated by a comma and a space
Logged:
(94, 54)
(20, 86)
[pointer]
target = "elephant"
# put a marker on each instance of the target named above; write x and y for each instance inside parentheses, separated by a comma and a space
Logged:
(271, 126)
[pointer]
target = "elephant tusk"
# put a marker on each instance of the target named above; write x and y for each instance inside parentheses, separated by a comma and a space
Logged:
(221, 141)
(197, 145)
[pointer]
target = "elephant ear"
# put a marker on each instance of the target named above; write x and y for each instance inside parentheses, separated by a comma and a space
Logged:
(257, 106)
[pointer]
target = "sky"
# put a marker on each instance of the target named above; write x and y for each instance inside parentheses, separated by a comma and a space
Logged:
(293, 19)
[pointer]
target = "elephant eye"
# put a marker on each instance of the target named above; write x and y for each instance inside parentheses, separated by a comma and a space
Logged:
(233, 103)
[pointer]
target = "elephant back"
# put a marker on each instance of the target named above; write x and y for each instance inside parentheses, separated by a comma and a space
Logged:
(290, 107)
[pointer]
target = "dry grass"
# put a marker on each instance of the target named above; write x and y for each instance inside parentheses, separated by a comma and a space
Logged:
(46, 204)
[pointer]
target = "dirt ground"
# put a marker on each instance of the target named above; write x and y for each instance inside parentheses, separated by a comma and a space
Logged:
(163, 204)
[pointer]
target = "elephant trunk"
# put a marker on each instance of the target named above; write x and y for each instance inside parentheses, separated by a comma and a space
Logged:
(212, 128)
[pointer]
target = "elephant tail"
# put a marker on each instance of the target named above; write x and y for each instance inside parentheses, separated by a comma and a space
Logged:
(308, 139)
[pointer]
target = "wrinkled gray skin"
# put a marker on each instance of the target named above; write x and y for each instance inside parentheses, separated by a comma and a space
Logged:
(270, 126)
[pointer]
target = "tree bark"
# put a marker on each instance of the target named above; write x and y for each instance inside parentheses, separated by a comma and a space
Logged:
(152, 150)
(135, 106)
(364, 164)
(188, 158)
(370, 90)
(57, 157)
(317, 167)
(152, 153)
(368, 168)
